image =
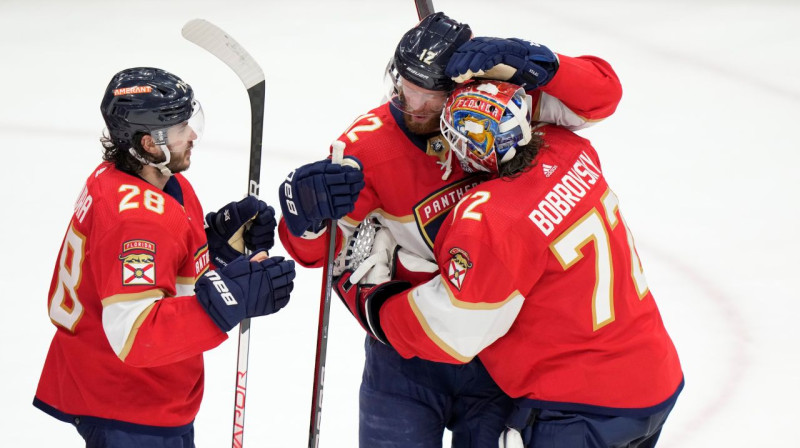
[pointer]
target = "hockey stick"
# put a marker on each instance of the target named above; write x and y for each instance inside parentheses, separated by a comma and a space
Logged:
(324, 318)
(424, 8)
(225, 48)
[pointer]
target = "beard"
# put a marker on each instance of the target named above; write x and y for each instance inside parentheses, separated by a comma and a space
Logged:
(179, 166)
(179, 161)
(428, 126)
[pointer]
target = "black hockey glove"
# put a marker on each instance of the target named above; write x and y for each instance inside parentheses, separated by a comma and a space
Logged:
(248, 223)
(319, 191)
(518, 61)
(245, 288)
(260, 234)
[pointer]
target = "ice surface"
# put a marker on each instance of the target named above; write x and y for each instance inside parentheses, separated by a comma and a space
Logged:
(702, 153)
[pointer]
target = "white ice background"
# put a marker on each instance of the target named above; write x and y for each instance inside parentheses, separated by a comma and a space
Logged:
(702, 152)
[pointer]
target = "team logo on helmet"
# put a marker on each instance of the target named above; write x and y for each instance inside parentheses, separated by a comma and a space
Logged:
(458, 267)
(138, 263)
(485, 121)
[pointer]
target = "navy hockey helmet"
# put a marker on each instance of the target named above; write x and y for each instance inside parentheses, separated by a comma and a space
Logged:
(147, 100)
(423, 52)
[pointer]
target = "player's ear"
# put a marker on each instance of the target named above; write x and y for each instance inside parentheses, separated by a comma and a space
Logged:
(149, 145)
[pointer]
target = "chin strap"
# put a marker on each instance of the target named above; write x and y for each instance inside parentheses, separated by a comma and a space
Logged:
(447, 165)
(162, 166)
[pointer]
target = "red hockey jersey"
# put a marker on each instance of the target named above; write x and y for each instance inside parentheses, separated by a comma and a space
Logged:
(130, 333)
(539, 277)
(411, 182)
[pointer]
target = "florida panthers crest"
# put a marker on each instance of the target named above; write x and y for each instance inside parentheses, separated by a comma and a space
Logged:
(458, 267)
(138, 263)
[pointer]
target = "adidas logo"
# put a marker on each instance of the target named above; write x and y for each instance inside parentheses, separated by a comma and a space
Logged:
(549, 169)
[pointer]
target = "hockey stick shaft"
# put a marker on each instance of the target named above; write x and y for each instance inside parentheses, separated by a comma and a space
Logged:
(211, 38)
(424, 8)
(324, 318)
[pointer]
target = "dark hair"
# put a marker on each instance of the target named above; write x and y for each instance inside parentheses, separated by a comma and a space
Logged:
(523, 160)
(120, 156)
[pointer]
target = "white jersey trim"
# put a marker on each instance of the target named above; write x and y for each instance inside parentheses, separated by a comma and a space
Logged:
(182, 289)
(552, 110)
(121, 314)
(462, 329)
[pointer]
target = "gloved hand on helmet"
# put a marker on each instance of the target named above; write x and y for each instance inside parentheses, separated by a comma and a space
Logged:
(518, 61)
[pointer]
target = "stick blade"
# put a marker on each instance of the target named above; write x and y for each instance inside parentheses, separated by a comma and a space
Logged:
(219, 43)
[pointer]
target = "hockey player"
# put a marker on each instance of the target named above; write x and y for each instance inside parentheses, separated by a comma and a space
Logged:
(408, 182)
(538, 278)
(132, 297)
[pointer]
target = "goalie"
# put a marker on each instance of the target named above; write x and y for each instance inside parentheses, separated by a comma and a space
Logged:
(537, 277)
(409, 181)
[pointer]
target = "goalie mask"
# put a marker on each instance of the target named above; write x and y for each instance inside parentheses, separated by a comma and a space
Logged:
(485, 121)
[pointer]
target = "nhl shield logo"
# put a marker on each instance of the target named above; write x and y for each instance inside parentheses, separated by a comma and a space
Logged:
(458, 267)
(138, 263)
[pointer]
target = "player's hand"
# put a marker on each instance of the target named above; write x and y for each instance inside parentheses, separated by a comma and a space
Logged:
(259, 235)
(514, 60)
(247, 223)
(245, 288)
(319, 191)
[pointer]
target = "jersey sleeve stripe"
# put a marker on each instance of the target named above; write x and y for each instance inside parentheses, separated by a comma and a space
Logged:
(552, 110)
(122, 316)
(184, 286)
(461, 329)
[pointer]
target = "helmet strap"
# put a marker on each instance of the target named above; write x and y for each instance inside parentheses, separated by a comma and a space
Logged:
(447, 165)
(161, 166)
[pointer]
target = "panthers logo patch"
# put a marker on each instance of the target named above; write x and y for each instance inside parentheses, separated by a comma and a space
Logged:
(458, 267)
(138, 263)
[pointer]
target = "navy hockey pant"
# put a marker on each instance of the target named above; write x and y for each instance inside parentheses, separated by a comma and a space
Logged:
(407, 403)
(101, 436)
(550, 428)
